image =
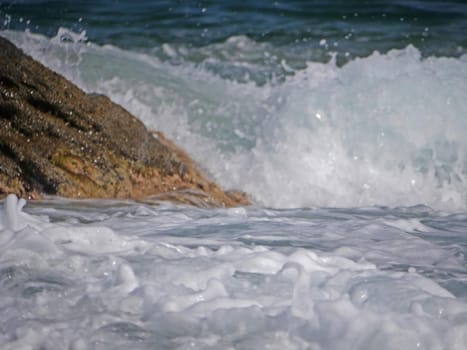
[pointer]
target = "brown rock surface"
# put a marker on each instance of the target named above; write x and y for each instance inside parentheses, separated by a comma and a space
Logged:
(56, 139)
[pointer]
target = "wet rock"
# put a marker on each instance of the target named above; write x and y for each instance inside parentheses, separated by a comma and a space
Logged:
(56, 139)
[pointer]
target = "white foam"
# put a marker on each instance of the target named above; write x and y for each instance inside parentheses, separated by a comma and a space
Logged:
(11, 215)
(168, 277)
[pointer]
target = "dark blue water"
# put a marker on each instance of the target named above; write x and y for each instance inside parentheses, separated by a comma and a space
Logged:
(313, 29)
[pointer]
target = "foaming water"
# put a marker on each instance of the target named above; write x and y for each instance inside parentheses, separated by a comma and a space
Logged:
(304, 106)
(120, 275)
(387, 129)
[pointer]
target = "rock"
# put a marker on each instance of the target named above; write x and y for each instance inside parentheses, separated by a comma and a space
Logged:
(56, 139)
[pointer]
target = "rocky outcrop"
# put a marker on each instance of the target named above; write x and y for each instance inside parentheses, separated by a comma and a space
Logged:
(56, 139)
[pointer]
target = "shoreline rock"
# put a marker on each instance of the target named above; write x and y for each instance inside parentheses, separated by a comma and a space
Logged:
(55, 139)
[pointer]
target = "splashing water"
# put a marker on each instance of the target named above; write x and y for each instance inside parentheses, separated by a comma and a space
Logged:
(387, 129)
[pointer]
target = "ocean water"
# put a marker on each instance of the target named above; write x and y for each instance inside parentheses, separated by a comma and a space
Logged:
(344, 121)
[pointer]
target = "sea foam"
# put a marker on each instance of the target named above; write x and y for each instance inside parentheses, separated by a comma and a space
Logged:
(138, 276)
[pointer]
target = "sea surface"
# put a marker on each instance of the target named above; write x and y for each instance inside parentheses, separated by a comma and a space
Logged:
(344, 121)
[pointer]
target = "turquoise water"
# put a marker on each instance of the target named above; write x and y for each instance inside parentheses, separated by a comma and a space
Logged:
(345, 123)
